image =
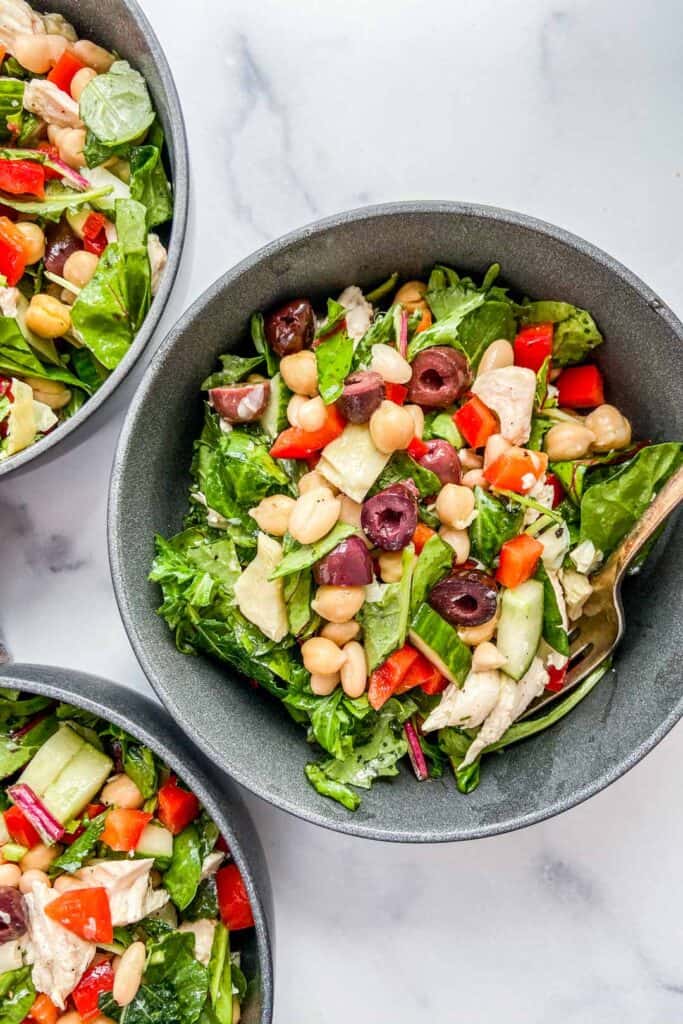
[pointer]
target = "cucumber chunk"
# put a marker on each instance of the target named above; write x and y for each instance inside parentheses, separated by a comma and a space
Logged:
(77, 783)
(520, 626)
(51, 759)
(274, 419)
(440, 644)
(156, 842)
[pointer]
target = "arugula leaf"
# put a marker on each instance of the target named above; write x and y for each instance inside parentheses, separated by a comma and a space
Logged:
(182, 877)
(326, 786)
(172, 961)
(140, 765)
(433, 564)
(152, 1004)
(205, 902)
(576, 333)
(74, 856)
(235, 369)
(303, 556)
(333, 358)
(495, 523)
(402, 467)
(236, 469)
(384, 615)
(220, 975)
(445, 331)
(116, 106)
(17, 995)
(554, 632)
(148, 181)
(58, 198)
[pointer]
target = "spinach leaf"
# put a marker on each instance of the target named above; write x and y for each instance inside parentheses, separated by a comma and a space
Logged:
(58, 198)
(446, 331)
(402, 467)
(74, 856)
(220, 975)
(182, 878)
(16, 995)
(572, 476)
(88, 369)
(576, 333)
(335, 314)
(235, 369)
(305, 555)
(333, 358)
(172, 961)
(148, 181)
(495, 523)
(14, 706)
(236, 469)
(140, 765)
(433, 564)
(611, 508)
(258, 337)
(554, 632)
(152, 1004)
(17, 358)
(381, 330)
(492, 320)
(384, 616)
(15, 753)
(205, 902)
(326, 786)
(116, 106)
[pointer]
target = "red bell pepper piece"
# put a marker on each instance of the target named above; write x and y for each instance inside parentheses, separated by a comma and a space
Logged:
(64, 70)
(533, 345)
(435, 684)
(233, 900)
(84, 912)
(581, 387)
(43, 1010)
(395, 393)
(97, 979)
(177, 807)
(22, 177)
(421, 673)
(20, 828)
(12, 252)
(295, 443)
(417, 449)
(94, 233)
(123, 828)
(517, 469)
(558, 489)
(518, 560)
(422, 534)
(386, 679)
(557, 678)
(476, 422)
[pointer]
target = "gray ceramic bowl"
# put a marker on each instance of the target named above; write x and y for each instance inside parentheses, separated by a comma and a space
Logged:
(251, 736)
(152, 726)
(120, 25)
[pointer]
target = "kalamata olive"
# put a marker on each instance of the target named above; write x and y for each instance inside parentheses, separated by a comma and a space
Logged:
(60, 243)
(466, 598)
(12, 914)
(241, 403)
(348, 565)
(443, 460)
(440, 376)
(290, 327)
(363, 393)
(389, 519)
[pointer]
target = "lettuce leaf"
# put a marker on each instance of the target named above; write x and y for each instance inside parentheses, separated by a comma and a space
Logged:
(402, 467)
(303, 556)
(554, 632)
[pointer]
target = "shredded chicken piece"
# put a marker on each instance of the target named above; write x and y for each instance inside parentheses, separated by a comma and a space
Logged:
(52, 104)
(158, 258)
(131, 896)
(203, 931)
(17, 16)
(510, 392)
(498, 720)
(530, 686)
(59, 957)
(8, 301)
(468, 706)
(358, 311)
(211, 864)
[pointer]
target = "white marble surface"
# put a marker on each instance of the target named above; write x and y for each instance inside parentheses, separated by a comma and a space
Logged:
(568, 110)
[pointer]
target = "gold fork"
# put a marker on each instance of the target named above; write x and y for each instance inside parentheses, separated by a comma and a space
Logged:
(600, 628)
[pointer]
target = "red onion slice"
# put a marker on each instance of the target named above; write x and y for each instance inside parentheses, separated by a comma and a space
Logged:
(403, 334)
(45, 823)
(417, 758)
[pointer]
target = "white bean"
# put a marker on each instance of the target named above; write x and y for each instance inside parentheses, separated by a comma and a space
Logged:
(390, 364)
(313, 515)
(129, 973)
(354, 671)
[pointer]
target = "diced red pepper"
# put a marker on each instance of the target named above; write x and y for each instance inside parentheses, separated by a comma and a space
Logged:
(395, 393)
(558, 489)
(417, 449)
(435, 684)
(533, 345)
(43, 1010)
(93, 224)
(476, 422)
(177, 807)
(233, 900)
(422, 534)
(517, 469)
(22, 177)
(557, 678)
(84, 912)
(20, 828)
(295, 443)
(386, 679)
(97, 979)
(421, 673)
(64, 70)
(518, 560)
(581, 387)
(12, 252)
(123, 828)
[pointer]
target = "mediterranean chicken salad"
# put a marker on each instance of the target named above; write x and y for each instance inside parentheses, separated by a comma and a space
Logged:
(397, 506)
(118, 896)
(83, 191)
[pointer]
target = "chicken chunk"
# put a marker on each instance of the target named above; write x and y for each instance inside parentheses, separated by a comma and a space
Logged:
(466, 707)
(59, 957)
(9, 298)
(577, 589)
(510, 392)
(51, 104)
(211, 864)
(158, 258)
(17, 16)
(358, 311)
(130, 892)
(203, 931)
(530, 686)
(498, 721)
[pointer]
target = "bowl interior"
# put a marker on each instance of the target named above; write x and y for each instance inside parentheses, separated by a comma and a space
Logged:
(250, 735)
(148, 723)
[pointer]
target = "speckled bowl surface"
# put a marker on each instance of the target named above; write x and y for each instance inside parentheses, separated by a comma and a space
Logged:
(252, 736)
(121, 25)
(150, 724)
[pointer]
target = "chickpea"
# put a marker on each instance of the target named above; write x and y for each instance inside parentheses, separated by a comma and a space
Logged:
(459, 540)
(54, 394)
(34, 52)
(48, 317)
(79, 267)
(93, 55)
(390, 364)
(354, 671)
(495, 447)
(391, 427)
(80, 80)
(313, 479)
(39, 857)
(10, 875)
(313, 515)
(34, 240)
(324, 685)
(469, 459)
(475, 478)
(121, 791)
(71, 144)
(475, 635)
(31, 878)
(391, 566)
(129, 973)
(411, 295)
(610, 427)
(322, 656)
(272, 514)
(455, 505)
(487, 657)
(498, 355)
(418, 418)
(568, 441)
(294, 406)
(300, 373)
(340, 632)
(338, 604)
(312, 414)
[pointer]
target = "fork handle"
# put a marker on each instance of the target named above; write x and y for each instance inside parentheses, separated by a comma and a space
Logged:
(663, 505)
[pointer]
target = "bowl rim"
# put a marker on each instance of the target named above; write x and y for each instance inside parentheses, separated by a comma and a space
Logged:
(350, 825)
(175, 250)
(92, 694)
